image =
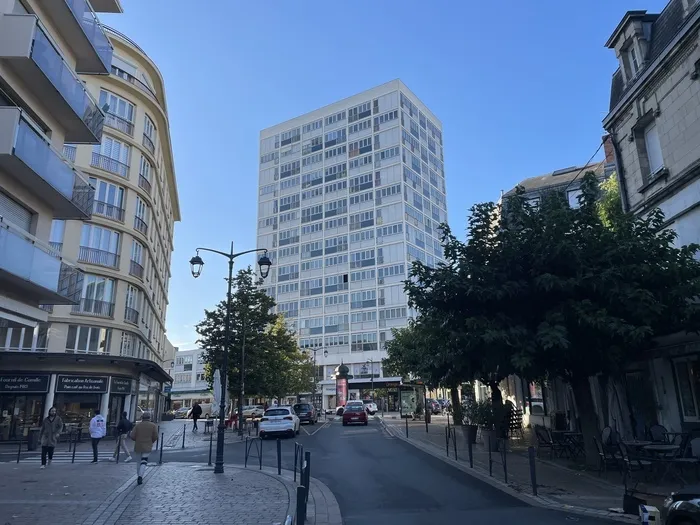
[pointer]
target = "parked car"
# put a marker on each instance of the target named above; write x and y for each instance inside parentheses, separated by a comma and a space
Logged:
(434, 406)
(339, 410)
(682, 507)
(207, 411)
(371, 407)
(253, 411)
(181, 413)
(279, 420)
(306, 412)
(354, 413)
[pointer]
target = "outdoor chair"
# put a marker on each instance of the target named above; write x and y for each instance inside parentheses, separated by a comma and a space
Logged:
(545, 441)
(606, 458)
(633, 463)
(658, 434)
(693, 460)
(515, 426)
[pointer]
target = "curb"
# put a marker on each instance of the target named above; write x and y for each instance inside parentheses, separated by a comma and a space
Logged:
(537, 501)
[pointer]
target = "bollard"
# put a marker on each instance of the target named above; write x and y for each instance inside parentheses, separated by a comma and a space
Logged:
(211, 442)
(407, 427)
(279, 457)
(19, 449)
(184, 431)
(296, 458)
(533, 474)
(307, 464)
(70, 440)
(447, 441)
(74, 447)
(471, 455)
(454, 440)
(505, 462)
(119, 446)
(301, 505)
(490, 461)
(162, 438)
(245, 454)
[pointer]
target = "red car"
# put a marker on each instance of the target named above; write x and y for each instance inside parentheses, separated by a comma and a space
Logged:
(354, 414)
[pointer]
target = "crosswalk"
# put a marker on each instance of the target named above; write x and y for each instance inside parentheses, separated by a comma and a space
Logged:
(67, 457)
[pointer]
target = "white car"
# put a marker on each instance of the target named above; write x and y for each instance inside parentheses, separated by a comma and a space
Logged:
(253, 411)
(371, 407)
(341, 409)
(279, 420)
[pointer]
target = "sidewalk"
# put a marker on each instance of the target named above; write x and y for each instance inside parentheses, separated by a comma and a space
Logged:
(557, 486)
(107, 494)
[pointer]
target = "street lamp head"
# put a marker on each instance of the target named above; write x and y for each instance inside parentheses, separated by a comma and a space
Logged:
(196, 264)
(325, 353)
(264, 262)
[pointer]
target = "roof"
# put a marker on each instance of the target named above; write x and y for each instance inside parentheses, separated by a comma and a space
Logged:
(561, 177)
(664, 29)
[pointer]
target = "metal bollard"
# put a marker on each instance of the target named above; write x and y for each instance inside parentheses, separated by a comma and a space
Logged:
(296, 459)
(505, 461)
(454, 440)
(533, 474)
(119, 446)
(471, 454)
(19, 448)
(162, 438)
(74, 447)
(184, 431)
(301, 505)
(490, 461)
(211, 442)
(447, 441)
(279, 457)
(245, 454)
(406, 426)
(307, 462)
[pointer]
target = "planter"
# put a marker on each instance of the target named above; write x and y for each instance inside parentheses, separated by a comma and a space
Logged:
(470, 432)
(493, 435)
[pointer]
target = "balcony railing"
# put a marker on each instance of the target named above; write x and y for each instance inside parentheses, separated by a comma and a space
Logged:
(69, 152)
(27, 155)
(34, 270)
(140, 225)
(135, 81)
(119, 123)
(105, 209)
(94, 307)
(149, 144)
(136, 270)
(109, 164)
(145, 184)
(93, 31)
(57, 247)
(131, 315)
(73, 91)
(95, 256)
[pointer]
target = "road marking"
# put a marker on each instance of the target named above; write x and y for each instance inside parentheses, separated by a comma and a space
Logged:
(327, 423)
(307, 432)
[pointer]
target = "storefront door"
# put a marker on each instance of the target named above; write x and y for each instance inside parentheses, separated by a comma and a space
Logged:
(18, 413)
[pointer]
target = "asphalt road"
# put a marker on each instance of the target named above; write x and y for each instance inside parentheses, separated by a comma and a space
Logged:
(380, 479)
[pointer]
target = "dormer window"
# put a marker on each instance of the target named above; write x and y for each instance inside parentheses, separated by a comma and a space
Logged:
(632, 60)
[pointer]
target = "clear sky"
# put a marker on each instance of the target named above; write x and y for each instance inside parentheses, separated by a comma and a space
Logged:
(521, 89)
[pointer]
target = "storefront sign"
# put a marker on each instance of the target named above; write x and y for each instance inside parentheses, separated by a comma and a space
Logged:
(167, 389)
(24, 384)
(81, 384)
(120, 386)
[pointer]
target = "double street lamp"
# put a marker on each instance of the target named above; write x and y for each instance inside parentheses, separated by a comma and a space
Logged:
(196, 265)
(313, 397)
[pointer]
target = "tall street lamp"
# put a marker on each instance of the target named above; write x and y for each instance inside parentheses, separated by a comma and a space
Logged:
(370, 362)
(313, 395)
(196, 265)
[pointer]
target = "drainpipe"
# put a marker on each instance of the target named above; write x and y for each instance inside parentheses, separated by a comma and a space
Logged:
(619, 169)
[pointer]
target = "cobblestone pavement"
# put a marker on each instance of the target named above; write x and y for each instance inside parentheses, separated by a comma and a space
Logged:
(59, 495)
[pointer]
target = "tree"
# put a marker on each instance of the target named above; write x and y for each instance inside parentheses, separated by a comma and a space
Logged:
(250, 318)
(555, 291)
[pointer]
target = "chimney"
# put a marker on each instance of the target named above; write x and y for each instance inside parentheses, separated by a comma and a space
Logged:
(609, 149)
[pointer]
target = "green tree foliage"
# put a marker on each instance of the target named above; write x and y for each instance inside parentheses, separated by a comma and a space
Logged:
(555, 291)
(274, 365)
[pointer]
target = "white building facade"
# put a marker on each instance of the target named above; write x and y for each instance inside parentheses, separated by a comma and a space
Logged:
(189, 380)
(349, 196)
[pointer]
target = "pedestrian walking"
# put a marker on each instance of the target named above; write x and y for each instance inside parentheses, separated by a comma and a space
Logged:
(51, 429)
(196, 413)
(98, 430)
(123, 428)
(144, 434)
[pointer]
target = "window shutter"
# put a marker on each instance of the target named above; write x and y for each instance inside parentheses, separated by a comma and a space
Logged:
(14, 212)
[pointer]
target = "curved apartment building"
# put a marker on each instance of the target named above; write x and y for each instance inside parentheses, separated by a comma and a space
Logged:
(106, 348)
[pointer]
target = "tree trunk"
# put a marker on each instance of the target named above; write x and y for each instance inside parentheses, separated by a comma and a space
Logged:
(500, 411)
(496, 396)
(587, 417)
(456, 406)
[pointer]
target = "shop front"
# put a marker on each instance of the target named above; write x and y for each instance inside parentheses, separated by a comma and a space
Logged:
(22, 398)
(32, 383)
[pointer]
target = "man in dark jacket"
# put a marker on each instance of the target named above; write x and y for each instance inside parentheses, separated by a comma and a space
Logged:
(123, 428)
(196, 414)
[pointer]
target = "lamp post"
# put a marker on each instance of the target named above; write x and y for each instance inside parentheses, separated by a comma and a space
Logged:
(370, 361)
(196, 265)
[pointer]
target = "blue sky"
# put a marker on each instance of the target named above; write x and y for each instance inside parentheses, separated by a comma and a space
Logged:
(521, 89)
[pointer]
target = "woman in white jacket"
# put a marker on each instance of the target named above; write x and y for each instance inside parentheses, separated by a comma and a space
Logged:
(98, 430)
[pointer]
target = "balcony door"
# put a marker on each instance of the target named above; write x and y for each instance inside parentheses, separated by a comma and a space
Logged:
(117, 106)
(109, 199)
(98, 295)
(99, 245)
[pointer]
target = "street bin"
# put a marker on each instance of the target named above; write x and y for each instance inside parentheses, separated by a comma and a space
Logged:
(33, 438)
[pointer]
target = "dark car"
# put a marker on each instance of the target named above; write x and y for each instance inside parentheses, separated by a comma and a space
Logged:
(682, 507)
(434, 406)
(354, 413)
(306, 412)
